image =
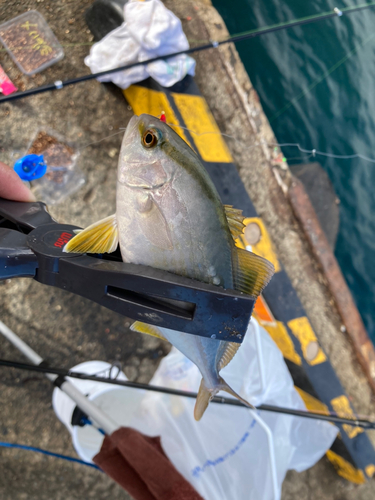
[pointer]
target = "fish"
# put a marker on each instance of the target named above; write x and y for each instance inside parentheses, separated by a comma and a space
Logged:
(169, 216)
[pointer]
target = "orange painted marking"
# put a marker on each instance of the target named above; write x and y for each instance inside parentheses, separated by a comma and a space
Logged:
(262, 310)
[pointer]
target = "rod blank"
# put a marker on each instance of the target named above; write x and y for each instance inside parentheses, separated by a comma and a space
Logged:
(357, 422)
(59, 84)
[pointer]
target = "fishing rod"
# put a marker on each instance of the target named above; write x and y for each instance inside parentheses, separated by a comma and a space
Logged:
(61, 372)
(59, 84)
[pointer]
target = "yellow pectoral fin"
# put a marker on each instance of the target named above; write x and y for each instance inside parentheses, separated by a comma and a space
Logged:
(101, 237)
(140, 327)
(251, 272)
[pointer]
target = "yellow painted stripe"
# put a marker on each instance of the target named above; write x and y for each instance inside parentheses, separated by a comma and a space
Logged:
(280, 336)
(312, 404)
(343, 409)
(276, 329)
(343, 467)
(302, 329)
(346, 469)
(152, 102)
(202, 127)
(370, 470)
(264, 246)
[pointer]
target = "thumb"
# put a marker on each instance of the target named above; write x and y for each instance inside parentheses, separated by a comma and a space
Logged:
(11, 186)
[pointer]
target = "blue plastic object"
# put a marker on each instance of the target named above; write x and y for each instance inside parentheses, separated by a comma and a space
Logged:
(45, 452)
(30, 167)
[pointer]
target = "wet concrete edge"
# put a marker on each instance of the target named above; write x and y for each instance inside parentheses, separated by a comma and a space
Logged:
(351, 318)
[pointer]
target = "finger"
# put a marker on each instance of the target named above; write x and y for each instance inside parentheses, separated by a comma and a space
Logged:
(11, 186)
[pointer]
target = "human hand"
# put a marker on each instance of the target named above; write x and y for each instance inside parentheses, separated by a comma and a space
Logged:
(11, 186)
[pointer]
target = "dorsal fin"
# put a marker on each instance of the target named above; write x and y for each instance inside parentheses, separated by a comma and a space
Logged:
(100, 237)
(140, 327)
(230, 350)
(235, 220)
(251, 272)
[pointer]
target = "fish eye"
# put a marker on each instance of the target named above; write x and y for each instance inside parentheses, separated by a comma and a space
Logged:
(149, 139)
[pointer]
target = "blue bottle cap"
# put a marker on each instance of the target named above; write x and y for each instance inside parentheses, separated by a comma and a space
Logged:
(30, 167)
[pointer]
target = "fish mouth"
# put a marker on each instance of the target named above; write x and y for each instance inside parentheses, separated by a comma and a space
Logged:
(144, 186)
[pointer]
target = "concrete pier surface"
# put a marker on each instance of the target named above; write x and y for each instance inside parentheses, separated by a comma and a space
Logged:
(67, 329)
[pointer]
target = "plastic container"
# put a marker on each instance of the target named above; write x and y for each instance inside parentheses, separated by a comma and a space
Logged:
(31, 42)
(62, 177)
(120, 403)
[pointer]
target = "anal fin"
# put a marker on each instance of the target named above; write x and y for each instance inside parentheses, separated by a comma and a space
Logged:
(230, 350)
(140, 327)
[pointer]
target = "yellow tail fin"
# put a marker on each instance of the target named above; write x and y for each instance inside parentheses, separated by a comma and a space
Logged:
(203, 398)
(225, 387)
(205, 395)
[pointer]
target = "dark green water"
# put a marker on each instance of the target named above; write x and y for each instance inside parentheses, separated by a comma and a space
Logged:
(332, 113)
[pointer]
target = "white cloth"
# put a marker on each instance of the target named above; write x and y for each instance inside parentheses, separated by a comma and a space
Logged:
(149, 30)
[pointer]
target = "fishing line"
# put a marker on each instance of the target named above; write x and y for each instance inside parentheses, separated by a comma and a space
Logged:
(312, 152)
(336, 12)
(293, 158)
(49, 453)
(309, 152)
(315, 152)
(59, 84)
(307, 19)
(316, 415)
(121, 131)
(320, 79)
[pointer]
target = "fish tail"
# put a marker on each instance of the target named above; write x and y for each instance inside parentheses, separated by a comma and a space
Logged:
(225, 387)
(205, 395)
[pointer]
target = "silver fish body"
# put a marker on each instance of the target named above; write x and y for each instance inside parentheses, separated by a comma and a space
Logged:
(169, 216)
(204, 352)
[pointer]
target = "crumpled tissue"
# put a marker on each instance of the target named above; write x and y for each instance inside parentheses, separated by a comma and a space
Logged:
(149, 30)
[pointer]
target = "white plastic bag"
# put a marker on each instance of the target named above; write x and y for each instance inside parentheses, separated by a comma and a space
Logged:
(149, 30)
(225, 455)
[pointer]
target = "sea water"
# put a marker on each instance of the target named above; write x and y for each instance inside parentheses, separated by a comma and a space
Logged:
(316, 84)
